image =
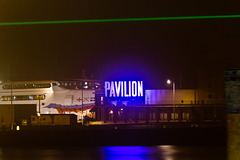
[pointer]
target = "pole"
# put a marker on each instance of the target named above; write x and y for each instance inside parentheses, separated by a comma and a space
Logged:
(12, 125)
(39, 104)
(174, 101)
(82, 103)
(39, 96)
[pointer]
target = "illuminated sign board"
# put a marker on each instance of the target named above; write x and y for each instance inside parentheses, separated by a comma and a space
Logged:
(123, 88)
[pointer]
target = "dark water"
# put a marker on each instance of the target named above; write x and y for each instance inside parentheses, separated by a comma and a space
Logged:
(162, 152)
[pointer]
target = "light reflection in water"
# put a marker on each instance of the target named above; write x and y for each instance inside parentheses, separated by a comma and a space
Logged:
(163, 152)
(138, 152)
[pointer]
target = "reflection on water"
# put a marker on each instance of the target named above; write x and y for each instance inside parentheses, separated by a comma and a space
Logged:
(138, 152)
(163, 152)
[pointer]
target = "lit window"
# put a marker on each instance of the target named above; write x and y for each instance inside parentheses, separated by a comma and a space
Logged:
(23, 97)
(26, 86)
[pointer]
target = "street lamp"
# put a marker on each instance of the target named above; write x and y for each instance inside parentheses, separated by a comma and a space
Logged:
(82, 103)
(12, 107)
(174, 90)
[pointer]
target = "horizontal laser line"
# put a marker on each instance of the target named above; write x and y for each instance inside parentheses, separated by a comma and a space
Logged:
(117, 20)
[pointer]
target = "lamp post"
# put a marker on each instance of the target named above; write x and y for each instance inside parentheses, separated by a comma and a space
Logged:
(82, 103)
(174, 91)
(39, 106)
(12, 107)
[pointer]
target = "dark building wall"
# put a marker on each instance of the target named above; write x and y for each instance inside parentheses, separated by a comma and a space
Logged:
(24, 111)
(18, 111)
(6, 117)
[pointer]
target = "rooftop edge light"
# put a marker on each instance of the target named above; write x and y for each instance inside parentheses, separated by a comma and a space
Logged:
(118, 20)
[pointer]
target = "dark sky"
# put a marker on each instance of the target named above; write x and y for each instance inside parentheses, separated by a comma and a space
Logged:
(149, 50)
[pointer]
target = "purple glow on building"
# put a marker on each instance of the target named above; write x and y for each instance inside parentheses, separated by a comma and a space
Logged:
(124, 89)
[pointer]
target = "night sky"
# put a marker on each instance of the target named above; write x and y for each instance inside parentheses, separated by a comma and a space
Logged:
(149, 50)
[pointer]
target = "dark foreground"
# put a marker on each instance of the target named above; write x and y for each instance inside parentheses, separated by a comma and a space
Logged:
(113, 136)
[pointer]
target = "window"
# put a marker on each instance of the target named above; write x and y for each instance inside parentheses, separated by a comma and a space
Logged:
(23, 97)
(27, 86)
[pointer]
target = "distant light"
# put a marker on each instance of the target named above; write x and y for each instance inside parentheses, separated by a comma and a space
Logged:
(168, 81)
(38, 114)
(85, 83)
(17, 128)
(85, 87)
(121, 109)
(111, 112)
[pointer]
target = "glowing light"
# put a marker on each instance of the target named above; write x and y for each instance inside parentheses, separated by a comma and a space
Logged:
(112, 90)
(127, 89)
(134, 88)
(118, 86)
(140, 88)
(111, 112)
(168, 81)
(107, 87)
(119, 20)
(17, 128)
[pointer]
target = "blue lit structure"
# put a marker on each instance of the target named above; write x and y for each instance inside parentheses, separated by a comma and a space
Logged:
(127, 101)
(123, 93)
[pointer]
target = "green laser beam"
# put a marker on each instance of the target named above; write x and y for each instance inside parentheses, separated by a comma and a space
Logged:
(118, 20)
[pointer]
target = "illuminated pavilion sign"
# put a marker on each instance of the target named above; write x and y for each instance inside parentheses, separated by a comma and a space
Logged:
(123, 88)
